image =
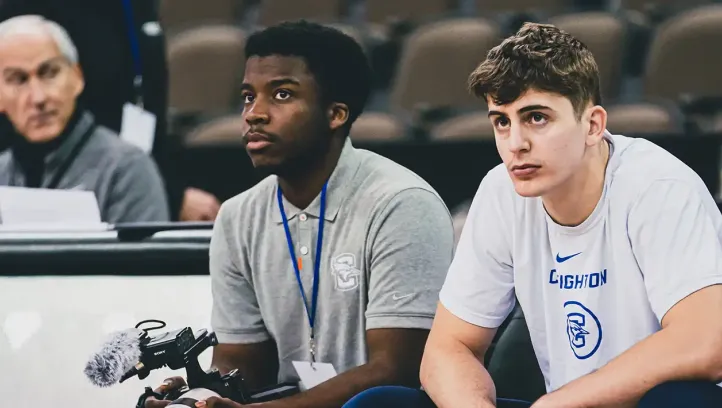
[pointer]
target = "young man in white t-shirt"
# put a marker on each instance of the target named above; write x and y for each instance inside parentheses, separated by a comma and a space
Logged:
(611, 245)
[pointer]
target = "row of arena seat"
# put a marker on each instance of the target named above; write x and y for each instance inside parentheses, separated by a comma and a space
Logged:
(678, 90)
(181, 14)
(678, 60)
(634, 119)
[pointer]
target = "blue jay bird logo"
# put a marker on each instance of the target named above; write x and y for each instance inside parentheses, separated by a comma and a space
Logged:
(583, 330)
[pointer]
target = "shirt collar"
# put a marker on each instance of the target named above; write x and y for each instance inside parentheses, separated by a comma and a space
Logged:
(339, 185)
(75, 135)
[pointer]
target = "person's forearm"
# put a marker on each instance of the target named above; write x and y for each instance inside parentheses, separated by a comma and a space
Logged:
(662, 357)
(454, 377)
(335, 392)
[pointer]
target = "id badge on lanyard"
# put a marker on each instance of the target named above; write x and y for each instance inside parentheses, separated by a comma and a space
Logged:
(310, 312)
(138, 125)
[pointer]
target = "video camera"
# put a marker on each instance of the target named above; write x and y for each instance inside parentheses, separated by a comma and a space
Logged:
(175, 349)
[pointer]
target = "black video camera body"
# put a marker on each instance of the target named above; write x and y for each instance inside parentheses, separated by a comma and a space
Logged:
(180, 349)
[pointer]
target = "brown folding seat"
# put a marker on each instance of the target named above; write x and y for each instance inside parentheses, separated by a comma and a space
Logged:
(205, 67)
(683, 56)
(605, 36)
(372, 126)
(548, 6)
(669, 5)
(321, 11)
(459, 214)
(177, 15)
(717, 124)
(642, 119)
(384, 11)
(226, 130)
(627, 119)
(464, 127)
(351, 31)
(436, 62)
(377, 126)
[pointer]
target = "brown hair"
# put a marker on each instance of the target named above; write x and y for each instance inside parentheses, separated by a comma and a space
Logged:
(540, 57)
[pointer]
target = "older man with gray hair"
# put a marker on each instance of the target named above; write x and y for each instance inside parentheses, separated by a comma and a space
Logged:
(57, 144)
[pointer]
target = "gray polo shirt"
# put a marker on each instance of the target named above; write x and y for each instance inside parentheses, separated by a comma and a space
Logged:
(126, 181)
(387, 244)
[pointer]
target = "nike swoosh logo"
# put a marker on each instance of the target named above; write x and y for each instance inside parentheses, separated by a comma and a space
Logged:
(397, 297)
(561, 259)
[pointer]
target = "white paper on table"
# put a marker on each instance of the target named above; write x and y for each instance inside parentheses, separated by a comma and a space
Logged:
(33, 209)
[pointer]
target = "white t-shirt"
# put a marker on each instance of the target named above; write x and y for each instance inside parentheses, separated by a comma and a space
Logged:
(592, 291)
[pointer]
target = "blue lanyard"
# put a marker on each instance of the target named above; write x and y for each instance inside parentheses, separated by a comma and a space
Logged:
(134, 51)
(316, 264)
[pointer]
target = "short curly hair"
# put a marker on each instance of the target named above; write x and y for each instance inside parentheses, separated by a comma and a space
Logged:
(337, 62)
(540, 57)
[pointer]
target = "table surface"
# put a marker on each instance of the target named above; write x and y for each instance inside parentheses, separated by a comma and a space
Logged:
(179, 252)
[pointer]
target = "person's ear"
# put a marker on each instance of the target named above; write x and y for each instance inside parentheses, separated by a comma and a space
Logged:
(338, 114)
(78, 80)
(596, 118)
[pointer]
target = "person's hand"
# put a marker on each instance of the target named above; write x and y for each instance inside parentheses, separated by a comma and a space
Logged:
(217, 402)
(199, 205)
(170, 384)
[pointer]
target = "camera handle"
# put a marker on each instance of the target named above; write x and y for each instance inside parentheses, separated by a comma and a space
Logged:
(144, 396)
(196, 376)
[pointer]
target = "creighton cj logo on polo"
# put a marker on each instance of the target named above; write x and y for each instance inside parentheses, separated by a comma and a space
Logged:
(346, 275)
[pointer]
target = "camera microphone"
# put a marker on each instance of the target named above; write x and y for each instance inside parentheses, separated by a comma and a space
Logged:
(117, 356)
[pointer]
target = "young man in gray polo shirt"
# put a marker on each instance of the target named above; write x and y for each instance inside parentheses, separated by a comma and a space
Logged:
(371, 237)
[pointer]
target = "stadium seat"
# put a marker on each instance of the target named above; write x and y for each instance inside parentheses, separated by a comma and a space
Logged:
(376, 126)
(226, 130)
(643, 119)
(384, 11)
(321, 11)
(605, 35)
(512, 363)
(458, 218)
(717, 123)
(669, 5)
(205, 65)
(464, 127)
(351, 31)
(177, 15)
(683, 57)
(436, 61)
(547, 6)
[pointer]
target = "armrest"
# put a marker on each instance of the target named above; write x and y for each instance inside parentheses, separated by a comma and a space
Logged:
(700, 105)
(180, 123)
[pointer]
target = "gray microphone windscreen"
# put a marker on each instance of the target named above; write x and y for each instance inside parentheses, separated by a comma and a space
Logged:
(117, 355)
